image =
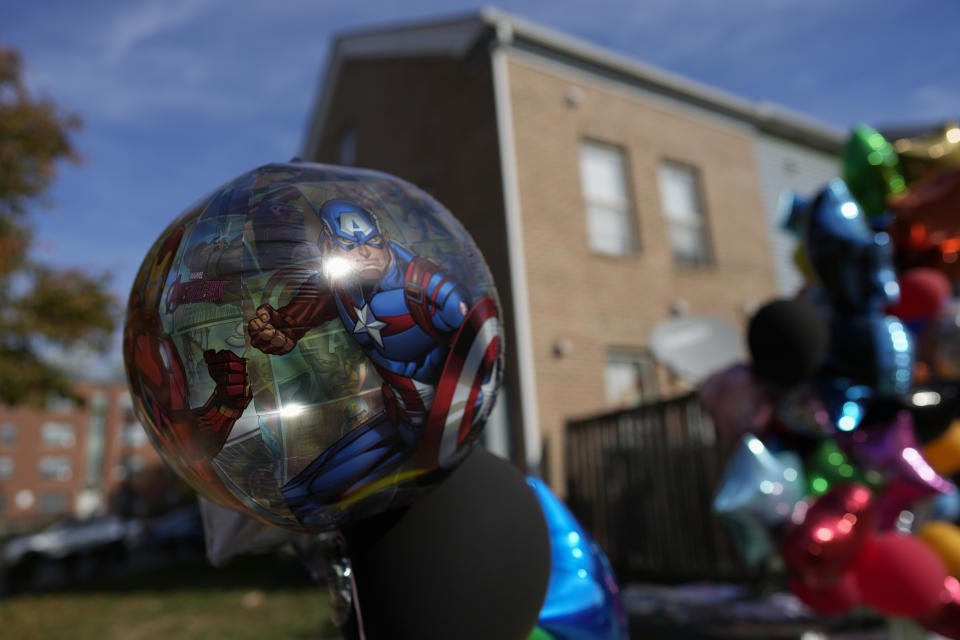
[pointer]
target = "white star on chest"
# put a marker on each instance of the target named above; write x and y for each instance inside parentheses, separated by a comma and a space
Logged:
(368, 322)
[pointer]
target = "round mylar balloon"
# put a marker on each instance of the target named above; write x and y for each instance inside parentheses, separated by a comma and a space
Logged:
(312, 344)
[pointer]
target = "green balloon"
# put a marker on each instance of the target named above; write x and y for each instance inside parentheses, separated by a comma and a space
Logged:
(828, 467)
(871, 169)
(540, 634)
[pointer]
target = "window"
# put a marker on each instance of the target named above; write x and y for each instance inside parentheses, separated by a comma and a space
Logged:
(59, 404)
(55, 468)
(8, 432)
(133, 435)
(6, 467)
(603, 178)
(58, 434)
(51, 502)
(133, 465)
(683, 209)
(348, 147)
(129, 467)
(631, 377)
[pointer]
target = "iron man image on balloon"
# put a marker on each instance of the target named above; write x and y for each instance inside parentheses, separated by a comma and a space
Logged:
(189, 436)
(436, 350)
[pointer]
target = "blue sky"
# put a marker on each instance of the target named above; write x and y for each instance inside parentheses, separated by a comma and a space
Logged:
(179, 96)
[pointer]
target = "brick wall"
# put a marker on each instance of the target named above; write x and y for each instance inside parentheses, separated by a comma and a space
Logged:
(26, 447)
(597, 302)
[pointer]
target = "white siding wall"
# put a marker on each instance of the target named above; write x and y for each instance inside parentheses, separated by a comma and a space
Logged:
(783, 166)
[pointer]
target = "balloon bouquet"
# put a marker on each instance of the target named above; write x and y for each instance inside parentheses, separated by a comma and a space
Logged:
(843, 423)
(317, 348)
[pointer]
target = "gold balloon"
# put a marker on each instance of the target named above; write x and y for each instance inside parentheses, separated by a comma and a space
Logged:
(802, 261)
(943, 454)
(929, 153)
(944, 538)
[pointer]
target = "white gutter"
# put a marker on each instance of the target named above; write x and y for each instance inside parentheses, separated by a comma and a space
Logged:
(515, 251)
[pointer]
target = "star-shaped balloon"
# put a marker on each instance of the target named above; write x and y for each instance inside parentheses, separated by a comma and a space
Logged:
(853, 263)
(871, 169)
(892, 450)
(759, 482)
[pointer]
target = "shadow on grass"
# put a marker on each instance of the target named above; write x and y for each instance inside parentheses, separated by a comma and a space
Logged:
(266, 572)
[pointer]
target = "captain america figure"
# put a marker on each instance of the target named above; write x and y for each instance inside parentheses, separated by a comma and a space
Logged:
(435, 349)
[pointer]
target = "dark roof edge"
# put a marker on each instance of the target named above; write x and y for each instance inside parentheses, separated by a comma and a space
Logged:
(511, 30)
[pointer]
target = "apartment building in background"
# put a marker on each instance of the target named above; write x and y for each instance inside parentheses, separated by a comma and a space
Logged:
(78, 460)
(606, 196)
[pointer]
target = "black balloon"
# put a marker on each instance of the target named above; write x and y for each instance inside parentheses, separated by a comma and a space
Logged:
(470, 560)
(788, 341)
(933, 407)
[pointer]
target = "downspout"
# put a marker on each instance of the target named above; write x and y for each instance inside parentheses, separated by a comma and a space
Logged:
(515, 250)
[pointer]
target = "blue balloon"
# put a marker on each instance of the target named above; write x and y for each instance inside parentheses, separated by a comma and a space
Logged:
(946, 506)
(852, 261)
(583, 601)
(872, 349)
(846, 402)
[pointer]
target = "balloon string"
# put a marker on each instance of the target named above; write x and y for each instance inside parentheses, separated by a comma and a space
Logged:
(356, 605)
(353, 587)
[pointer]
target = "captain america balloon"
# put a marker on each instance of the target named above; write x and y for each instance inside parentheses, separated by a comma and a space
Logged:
(312, 344)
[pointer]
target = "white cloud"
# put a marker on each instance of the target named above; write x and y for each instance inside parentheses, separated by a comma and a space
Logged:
(935, 101)
(147, 20)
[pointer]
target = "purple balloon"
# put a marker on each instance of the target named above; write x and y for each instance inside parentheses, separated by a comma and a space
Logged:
(737, 402)
(893, 451)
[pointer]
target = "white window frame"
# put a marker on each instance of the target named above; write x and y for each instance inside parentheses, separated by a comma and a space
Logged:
(58, 435)
(691, 221)
(7, 466)
(133, 435)
(619, 206)
(640, 359)
(9, 432)
(59, 468)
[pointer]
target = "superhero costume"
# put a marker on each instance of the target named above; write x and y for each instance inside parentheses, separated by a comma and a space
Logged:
(416, 326)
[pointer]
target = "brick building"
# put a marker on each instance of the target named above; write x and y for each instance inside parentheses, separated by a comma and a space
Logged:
(605, 195)
(70, 460)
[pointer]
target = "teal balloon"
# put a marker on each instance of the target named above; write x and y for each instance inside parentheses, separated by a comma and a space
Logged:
(750, 537)
(760, 483)
(757, 492)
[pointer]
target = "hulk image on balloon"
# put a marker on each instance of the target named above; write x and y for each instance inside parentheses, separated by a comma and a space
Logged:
(350, 328)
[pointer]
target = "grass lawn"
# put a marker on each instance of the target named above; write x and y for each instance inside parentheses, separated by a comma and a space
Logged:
(252, 598)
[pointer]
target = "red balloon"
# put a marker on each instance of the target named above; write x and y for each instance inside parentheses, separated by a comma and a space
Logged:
(899, 575)
(831, 599)
(922, 293)
(945, 620)
(823, 537)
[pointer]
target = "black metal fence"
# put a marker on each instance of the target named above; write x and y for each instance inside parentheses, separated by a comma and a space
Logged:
(642, 481)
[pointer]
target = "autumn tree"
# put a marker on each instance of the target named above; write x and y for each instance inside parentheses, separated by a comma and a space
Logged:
(39, 305)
